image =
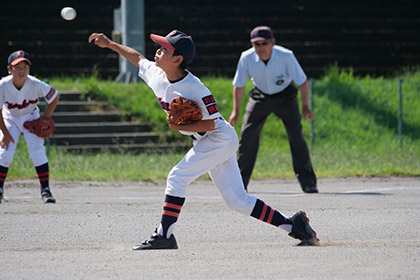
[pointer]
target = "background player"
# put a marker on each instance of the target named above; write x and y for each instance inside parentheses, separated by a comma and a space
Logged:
(19, 96)
(272, 70)
(215, 141)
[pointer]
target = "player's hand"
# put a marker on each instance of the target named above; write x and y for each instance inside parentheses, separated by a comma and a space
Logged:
(5, 141)
(100, 40)
(307, 113)
(233, 119)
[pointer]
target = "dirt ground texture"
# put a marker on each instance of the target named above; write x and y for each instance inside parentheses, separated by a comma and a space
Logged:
(368, 227)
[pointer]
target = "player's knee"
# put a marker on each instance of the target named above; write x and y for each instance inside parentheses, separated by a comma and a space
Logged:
(38, 155)
(39, 159)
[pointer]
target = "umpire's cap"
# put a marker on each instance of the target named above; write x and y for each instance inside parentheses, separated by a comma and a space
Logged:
(17, 57)
(261, 33)
(177, 40)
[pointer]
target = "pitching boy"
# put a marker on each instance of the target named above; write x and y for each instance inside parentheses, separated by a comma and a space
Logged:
(215, 141)
(19, 96)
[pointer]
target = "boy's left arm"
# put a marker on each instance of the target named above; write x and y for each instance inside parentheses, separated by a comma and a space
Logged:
(195, 126)
(51, 107)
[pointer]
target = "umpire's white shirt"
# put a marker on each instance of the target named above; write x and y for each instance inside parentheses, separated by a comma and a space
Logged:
(270, 78)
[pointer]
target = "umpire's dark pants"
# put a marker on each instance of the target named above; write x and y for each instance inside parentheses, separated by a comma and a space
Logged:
(284, 105)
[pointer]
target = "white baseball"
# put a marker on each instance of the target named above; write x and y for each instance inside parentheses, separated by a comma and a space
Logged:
(68, 13)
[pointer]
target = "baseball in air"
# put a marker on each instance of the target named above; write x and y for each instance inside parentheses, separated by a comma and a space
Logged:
(68, 13)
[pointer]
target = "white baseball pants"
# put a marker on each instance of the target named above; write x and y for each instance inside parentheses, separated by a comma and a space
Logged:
(214, 153)
(35, 144)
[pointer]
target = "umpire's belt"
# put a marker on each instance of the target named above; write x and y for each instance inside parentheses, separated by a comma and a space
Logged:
(257, 94)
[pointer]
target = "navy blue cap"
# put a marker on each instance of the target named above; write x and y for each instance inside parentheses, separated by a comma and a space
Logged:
(261, 33)
(17, 57)
(179, 41)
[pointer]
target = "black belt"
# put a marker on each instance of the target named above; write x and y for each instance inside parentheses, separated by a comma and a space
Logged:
(202, 133)
(257, 94)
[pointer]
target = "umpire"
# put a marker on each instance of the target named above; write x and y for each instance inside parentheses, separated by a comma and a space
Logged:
(272, 70)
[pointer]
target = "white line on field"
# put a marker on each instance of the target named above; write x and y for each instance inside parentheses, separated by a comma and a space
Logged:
(20, 197)
(381, 189)
(218, 197)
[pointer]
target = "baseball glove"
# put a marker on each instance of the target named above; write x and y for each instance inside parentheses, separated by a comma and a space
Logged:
(41, 127)
(183, 110)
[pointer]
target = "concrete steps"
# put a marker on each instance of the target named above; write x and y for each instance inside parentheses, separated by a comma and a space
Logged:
(74, 106)
(105, 138)
(70, 117)
(94, 126)
(100, 127)
(132, 148)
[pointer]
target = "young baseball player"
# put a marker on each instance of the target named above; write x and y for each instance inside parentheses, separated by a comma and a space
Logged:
(19, 96)
(215, 141)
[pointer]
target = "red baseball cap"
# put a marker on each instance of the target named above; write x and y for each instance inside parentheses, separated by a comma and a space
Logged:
(17, 57)
(179, 41)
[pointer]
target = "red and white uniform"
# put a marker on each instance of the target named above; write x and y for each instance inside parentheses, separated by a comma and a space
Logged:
(213, 152)
(19, 106)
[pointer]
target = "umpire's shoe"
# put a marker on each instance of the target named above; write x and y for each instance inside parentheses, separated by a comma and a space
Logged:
(302, 230)
(309, 189)
(47, 197)
(157, 242)
(308, 184)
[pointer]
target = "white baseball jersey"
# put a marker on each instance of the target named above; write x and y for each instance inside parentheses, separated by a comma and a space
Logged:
(19, 106)
(21, 102)
(213, 152)
(270, 78)
(189, 87)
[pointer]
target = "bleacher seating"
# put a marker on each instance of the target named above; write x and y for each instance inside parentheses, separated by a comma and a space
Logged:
(373, 37)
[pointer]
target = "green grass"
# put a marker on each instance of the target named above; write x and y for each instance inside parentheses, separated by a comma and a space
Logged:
(102, 166)
(356, 131)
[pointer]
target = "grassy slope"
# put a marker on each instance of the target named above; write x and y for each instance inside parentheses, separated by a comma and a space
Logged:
(356, 131)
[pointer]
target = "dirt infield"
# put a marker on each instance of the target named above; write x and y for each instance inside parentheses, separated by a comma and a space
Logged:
(369, 229)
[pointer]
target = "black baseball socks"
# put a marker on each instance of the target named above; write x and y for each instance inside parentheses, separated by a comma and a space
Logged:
(3, 175)
(43, 174)
(271, 216)
(171, 209)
